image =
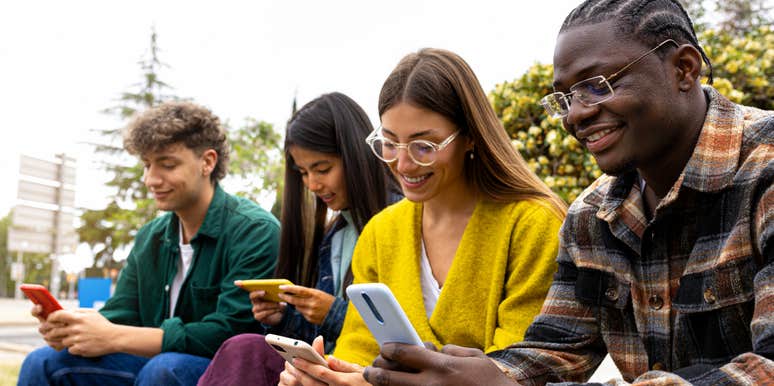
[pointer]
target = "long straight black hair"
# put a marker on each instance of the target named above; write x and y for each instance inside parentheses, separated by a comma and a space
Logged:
(332, 124)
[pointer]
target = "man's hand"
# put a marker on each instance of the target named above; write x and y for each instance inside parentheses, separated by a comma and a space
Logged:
(46, 326)
(454, 365)
(84, 332)
(312, 303)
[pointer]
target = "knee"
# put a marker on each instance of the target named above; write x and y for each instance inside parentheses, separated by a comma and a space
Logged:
(41, 362)
(172, 368)
(244, 341)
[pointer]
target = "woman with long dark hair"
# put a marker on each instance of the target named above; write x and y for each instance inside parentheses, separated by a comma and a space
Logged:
(327, 168)
(470, 253)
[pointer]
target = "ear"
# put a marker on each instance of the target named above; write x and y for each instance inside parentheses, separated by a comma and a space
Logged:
(687, 63)
(209, 160)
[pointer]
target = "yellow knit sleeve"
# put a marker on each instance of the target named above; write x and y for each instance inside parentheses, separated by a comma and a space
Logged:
(532, 263)
(355, 343)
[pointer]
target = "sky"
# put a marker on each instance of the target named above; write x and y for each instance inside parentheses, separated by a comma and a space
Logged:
(62, 63)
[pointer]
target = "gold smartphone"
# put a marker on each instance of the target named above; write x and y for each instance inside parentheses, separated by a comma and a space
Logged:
(271, 286)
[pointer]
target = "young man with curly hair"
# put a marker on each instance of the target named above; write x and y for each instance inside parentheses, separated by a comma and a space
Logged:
(175, 301)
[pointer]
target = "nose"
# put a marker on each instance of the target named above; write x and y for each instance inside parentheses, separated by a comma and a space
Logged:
(312, 183)
(578, 113)
(404, 162)
(151, 178)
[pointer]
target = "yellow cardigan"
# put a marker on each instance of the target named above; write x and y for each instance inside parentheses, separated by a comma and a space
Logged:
(495, 287)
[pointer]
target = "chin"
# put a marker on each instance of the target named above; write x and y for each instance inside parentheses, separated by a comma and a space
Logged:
(617, 169)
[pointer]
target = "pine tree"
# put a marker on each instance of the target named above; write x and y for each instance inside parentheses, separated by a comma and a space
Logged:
(131, 206)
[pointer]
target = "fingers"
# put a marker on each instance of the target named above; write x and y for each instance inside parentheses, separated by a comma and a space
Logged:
(63, 317)
(301, 377)
(430, 346)
(256, 297)
(37, 312)
(411, 356)
(459, 351)
(337, 364)
(319, 345)
(296, 290)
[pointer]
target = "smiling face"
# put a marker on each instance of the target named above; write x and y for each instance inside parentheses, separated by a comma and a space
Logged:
(404, 123)
(323, 174)
(636, 126)
(178, 178)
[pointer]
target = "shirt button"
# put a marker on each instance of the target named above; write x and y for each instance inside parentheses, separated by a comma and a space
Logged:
(656, 302)
(709, 296)
(658, 366)
(166, 288)
(611, 293)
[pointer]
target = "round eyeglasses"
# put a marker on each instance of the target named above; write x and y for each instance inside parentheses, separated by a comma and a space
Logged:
(421, 151)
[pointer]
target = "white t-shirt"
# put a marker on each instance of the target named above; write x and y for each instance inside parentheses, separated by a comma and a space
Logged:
(183, 264)
(430, 288)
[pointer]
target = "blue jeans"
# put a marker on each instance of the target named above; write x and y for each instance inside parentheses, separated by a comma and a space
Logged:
(46, 366)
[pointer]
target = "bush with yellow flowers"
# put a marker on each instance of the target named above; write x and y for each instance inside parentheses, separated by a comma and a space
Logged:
(553, 154)
(743, 65)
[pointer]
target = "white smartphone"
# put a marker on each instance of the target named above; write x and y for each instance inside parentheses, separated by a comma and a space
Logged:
(289, 349)
(382, 313)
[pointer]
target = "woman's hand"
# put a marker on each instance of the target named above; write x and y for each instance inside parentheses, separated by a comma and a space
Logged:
(312, 303)
(265, 311)
(303, 373)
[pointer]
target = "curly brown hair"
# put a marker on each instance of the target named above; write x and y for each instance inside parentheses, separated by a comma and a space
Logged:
(179, 122)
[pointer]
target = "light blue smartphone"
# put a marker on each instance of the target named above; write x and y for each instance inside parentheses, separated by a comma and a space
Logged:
(382, 313)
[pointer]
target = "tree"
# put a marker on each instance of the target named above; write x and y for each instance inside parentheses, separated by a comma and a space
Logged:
(742, 62)
(256, 159)
(554, 155)
(6, 286)
(106, 230)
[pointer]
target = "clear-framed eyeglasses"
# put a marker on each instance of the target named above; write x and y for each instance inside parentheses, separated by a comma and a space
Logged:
(421, 151)
(591, 91)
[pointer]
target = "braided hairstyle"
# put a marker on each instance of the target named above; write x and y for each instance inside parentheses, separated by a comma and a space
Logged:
(648, 21)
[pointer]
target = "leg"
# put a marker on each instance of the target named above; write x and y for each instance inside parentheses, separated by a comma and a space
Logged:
(46, 366)
(172, 368)
(244, 360)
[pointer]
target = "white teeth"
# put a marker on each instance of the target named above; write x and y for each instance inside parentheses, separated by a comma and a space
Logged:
(415, 180)
(598, 135)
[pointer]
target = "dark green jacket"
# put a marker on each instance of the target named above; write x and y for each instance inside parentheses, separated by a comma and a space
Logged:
(238, 240)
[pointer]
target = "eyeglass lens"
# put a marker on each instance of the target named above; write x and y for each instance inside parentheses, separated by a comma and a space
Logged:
(419, 151)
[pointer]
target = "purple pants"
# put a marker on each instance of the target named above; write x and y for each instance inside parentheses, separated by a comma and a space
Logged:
(245, 359)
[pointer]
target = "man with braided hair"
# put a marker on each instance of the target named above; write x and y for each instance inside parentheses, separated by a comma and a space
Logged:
(175, 301)
(666, 262)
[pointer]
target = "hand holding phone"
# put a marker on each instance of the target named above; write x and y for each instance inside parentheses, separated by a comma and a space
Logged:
(382, 313)
(290, 349)
(40, 295)
(271, 286)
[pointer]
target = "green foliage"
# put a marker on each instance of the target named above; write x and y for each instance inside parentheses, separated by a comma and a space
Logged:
(554, 155)
(743, 65)
(6, 285)
(256, 159)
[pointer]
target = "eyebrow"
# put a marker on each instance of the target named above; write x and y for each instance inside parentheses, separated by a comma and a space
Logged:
(588, 71)
(313, 165)
(415, 135)
(160, 159)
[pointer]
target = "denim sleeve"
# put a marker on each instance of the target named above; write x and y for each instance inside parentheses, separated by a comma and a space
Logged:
(293, 325)
(331, 326)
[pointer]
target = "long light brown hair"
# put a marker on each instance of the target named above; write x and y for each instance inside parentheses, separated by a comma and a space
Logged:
(441, 81)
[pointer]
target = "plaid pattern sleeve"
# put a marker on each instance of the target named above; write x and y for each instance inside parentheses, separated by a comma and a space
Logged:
(684, 297)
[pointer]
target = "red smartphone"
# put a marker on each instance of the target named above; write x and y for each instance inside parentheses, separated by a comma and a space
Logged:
(40, 295)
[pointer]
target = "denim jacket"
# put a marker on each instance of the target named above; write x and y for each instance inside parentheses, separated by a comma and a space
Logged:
(293, 323)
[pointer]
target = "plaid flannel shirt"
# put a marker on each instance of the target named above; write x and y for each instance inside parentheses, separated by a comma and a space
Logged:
(685, 297)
